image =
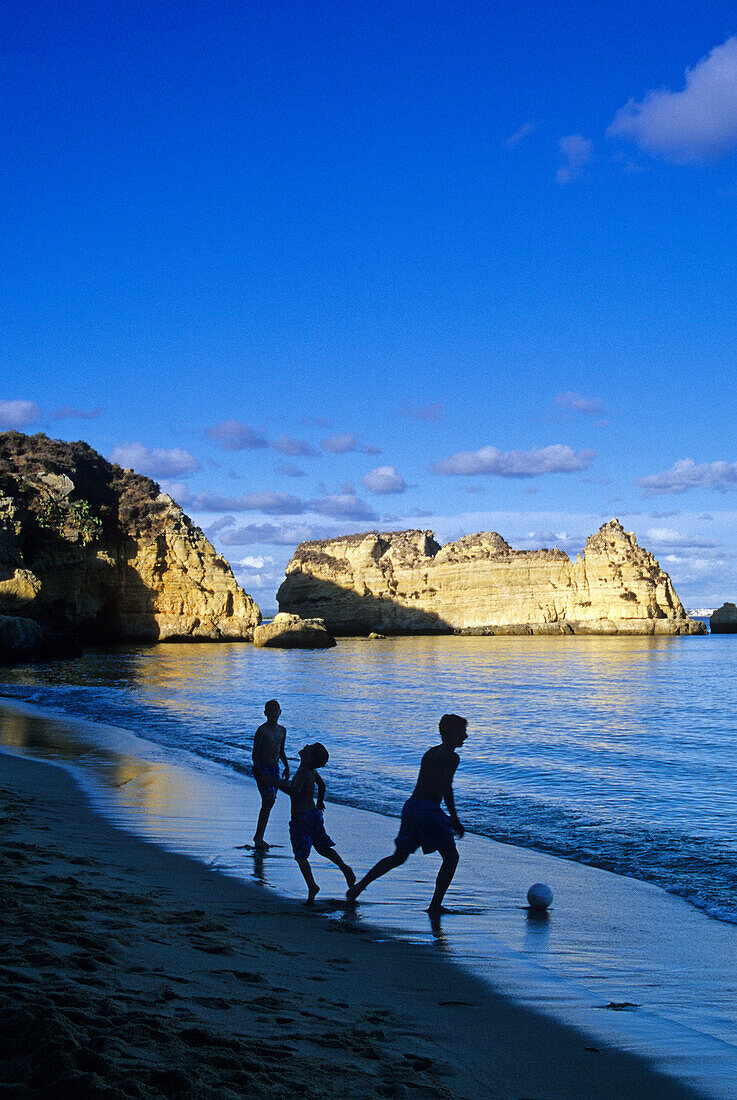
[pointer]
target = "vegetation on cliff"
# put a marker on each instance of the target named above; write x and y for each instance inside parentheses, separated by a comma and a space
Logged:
(93, 552)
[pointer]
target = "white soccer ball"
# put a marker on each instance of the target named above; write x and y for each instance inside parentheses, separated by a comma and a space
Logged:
(539, 896)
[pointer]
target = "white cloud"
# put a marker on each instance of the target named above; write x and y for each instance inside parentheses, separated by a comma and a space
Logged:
(698, 124)
(345, 444)
(424, 413)
(662, 534)
(573, 401)
(317, 422)
(340, 444)
(251, 562)
(286, 445)
(269, 502)
(577, 151)
(521, 134)
(547, 538)
(155, 462)
(289, 469)
(384, 479)
(264, 579)
(69, 412)
(274, 534)
(277, 504)
(232, 435)
(219, 525)
(540, 460)
(343, 506)
(669, 538)
(685, 475)
(177, 490)
(18, 414)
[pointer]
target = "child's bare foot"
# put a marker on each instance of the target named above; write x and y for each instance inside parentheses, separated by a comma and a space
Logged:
(260, 845)
(312, 893)
(435, 910)
(350, 877)
(352, 892)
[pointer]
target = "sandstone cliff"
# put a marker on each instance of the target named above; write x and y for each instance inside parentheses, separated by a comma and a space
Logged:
(90, 550)
(406, 583)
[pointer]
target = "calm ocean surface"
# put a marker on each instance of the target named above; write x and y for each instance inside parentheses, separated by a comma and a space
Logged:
(616, 752)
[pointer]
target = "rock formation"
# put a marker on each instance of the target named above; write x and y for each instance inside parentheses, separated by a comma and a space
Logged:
(406, 583)
(292, 632)
(92, 551)
(724, 620)
(23, 638)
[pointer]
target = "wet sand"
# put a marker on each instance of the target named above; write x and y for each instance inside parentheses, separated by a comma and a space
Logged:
(127, 970)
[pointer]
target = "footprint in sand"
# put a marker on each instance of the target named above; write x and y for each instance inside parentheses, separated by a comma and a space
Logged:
(419, 1062)
(207, 946)
(212, 1002)
(266, 1000)
(250, 976)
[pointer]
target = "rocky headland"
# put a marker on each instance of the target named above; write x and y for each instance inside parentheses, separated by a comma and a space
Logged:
(404, 582)
(90, 552)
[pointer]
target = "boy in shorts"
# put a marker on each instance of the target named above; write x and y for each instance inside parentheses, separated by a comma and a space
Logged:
(306, 828)
(268, 750)
(424, 824)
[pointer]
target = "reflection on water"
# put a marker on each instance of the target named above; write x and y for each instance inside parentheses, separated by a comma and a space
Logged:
(612, 751)
(66, 744)
(131, 787)
(537, 929)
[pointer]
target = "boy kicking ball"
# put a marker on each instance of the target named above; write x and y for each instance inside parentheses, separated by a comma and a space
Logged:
(424, 824)
(306, 827)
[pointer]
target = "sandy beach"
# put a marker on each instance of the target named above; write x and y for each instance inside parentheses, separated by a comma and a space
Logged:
(130, 971)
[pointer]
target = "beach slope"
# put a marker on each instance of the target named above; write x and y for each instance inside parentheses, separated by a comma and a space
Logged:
(129, 971)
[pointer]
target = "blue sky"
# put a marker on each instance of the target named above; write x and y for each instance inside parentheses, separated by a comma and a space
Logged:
(335, 266)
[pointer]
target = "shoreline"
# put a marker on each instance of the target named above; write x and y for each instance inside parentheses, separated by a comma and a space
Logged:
(469, 1041)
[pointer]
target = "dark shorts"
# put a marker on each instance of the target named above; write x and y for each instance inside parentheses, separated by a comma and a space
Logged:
(307, 829)
(268, 780)
(424, 825)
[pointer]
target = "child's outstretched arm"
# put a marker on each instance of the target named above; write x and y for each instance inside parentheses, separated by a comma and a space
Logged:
(292, 787)
(283, 756)
(320, 784)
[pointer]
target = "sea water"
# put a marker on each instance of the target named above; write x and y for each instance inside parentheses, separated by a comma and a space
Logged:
(614, 752)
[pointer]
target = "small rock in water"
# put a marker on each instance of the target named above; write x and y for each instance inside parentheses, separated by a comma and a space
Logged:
(292, 632)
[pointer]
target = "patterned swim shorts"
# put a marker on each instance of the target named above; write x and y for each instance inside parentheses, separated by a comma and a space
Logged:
(267, 781)
(425, 825)
(308, 829)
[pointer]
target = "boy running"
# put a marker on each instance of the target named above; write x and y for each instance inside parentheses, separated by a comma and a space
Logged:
(306, 828)
(424, 824)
